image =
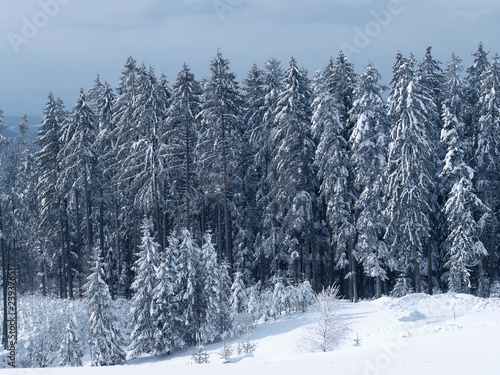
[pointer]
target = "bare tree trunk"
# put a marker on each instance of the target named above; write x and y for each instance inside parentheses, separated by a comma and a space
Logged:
(88, 219)
(352, 271)
(81, 280)
(68, 252)
(219, 226)
(63, 263)
(188, 179)
(101, 223)
(429, 265)
(378, 286)
(416, 271)
(118, 248)
(481, 287)
(227, 213)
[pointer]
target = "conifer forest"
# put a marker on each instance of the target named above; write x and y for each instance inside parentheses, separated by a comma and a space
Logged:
(199, 199)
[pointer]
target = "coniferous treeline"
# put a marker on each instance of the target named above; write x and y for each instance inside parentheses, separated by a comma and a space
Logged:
(294, 178)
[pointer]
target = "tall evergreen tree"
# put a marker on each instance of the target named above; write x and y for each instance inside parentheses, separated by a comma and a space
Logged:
(261, 99)
(78, 160)
(293, 191)
(104, 337)
(464, 248)
(146, 266)
(180, 141)
(409, 181)
(219, 147)
(369, 140)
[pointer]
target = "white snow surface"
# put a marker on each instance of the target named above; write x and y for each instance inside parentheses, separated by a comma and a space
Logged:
(418, 334)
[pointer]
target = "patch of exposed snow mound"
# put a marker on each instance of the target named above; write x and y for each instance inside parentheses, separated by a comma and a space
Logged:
(413, 316)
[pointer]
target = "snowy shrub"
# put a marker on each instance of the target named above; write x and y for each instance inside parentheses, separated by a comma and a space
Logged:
(200, 355)
(328, 329)
(402, 288)
(44, 338)
(227, 350)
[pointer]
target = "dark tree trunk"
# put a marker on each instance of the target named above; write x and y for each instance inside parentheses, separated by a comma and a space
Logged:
(68, 252)
(88, 219)
(63, 263)
(118, 248)
(429, 265)
(81, 278)
(101, 223)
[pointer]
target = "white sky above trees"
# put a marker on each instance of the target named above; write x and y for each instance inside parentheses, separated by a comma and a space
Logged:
(60, 45)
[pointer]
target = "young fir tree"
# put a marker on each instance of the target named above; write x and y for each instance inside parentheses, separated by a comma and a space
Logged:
(141, 319)
(239, 297)
(104, 337)
(293, 190)
(165, 307)
(409, 181)
(70, 353)
(186, 288)
(369, 144)
(207, 280)
(464, 248)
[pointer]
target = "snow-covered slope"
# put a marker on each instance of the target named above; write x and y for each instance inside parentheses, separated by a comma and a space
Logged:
(418, 334)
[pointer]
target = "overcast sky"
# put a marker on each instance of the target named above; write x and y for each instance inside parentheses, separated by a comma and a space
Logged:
(60, 45)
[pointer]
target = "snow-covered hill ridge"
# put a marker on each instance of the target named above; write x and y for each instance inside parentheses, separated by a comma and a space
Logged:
(417, 334)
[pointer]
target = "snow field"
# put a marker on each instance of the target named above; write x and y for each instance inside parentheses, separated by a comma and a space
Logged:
(417, 334)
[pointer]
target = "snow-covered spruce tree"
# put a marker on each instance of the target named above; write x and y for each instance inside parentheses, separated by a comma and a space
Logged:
(328, 330)
(166, 312)
(219, 148)
(180, 140)
(487, 160)
(105, 339)
(335, 175)
(260, 103)
(208, 277)
(430, 76)
(70, 352)
(293, 190)
(369, 140)
(464, 248)
(239, 297)
(78, 168)
(409, 179)
(146, 266)
(473, 92)
(47, 172)
(122, 135)
(224, 311)
(341, 81)
(143, 165)
(187, 288)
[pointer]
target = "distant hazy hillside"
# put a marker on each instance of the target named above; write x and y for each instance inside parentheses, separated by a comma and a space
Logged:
(12, 121)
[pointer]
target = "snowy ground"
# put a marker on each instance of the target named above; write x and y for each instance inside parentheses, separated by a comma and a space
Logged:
(419, 334)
